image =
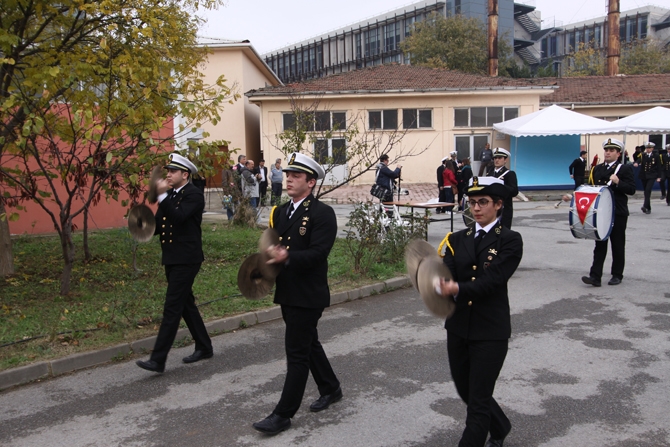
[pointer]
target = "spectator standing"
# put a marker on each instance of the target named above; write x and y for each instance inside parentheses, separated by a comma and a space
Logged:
(277, 179)
(486, 159)
(263, 181)
(665, 162)
(440, 185)
(386, 177)
(577, 169)
(463, 180)
(663, 157)
(250, 183)
(449, 184)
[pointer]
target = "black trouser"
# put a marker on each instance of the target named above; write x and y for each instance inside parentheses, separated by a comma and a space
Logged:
(441, 198)
(475, 366)
(618, 241)
(304, 354)
(180, 303)
(276, 192)
(665, 180)
(648, 185)
(579, 181)
(262, 191)
(507, 214)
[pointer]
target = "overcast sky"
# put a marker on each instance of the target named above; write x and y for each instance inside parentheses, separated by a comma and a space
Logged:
(272, 24)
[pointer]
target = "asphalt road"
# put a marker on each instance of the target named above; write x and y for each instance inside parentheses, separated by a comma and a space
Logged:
(586, 366)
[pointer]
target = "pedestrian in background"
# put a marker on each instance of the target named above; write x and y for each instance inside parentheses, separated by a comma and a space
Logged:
(577, 169)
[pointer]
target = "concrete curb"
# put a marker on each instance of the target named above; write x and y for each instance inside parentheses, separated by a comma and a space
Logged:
(56, 367)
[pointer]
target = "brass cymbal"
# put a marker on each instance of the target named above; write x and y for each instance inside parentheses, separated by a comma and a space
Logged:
(251, 281)
(268, 239)
(141, 223)
(416, 251)
(429, 269)
(156, 174)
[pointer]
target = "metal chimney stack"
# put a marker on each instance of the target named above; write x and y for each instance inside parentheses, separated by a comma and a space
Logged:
(613, 42)
(493, 37)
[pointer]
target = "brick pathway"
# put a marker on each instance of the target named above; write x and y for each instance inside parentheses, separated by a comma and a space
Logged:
(418, 192)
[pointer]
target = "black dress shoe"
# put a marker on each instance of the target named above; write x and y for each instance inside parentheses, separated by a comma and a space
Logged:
(151, 365)
(494, 443)
(614, 281)
(324, 401)
(197, 356)
(272, 424)
(592, 281)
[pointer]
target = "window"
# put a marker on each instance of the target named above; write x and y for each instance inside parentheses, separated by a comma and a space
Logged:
(478, 117)
(417, 118)
(317, 121)
(462, 117)
(483, 116)
(383, 119)
(597, 36)
(331, 151)
(643, 27)
(494, 115)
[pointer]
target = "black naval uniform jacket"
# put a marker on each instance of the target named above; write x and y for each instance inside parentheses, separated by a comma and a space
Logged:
(308, 236)
(178, 223)
(482, 305)
(665, 163)
(650, 167)
(577, 167)
(600, 175)
(512, 186)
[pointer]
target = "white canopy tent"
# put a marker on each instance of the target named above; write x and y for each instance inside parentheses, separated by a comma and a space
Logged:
(656, 120)
(554, 120)
(544, 143)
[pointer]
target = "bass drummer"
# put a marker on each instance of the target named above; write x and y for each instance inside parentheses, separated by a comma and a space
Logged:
(621, 181)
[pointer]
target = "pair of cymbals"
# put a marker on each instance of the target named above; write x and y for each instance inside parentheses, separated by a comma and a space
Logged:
(424, 267)
(141, 223)
(256, 277)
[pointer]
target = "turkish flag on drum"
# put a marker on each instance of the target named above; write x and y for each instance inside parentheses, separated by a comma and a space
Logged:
(583, 203)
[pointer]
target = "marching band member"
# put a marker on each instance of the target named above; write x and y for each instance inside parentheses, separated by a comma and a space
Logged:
(620, 179)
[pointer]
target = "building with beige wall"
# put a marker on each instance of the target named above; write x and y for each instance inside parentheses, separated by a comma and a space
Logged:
(244, 70)
(453, 110)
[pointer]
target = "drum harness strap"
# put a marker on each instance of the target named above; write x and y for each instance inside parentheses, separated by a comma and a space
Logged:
(616, 171)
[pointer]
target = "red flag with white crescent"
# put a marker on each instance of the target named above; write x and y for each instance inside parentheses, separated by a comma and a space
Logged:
(583, 202)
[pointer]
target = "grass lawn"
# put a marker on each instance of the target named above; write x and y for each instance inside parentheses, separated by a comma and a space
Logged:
(111, 302)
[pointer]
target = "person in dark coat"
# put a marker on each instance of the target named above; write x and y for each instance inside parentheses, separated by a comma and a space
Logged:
(481, 261)
(499, 170)
(650, 173)
(663, 157)
(440, 188)
(463, 180)
(577, 169)
(620, 179)
(263, 182)
(307, 229)
(178, 225)
(665, 180)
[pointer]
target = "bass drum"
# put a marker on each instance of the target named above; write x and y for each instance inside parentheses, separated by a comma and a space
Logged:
(467, 213)
(592, 213)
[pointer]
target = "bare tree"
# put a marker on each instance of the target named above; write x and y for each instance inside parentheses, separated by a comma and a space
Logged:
(313, 123)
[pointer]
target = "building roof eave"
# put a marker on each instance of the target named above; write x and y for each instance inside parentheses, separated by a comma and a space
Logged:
(541, 90)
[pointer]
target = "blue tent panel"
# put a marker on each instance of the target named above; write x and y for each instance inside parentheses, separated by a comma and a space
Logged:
(542, 162)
